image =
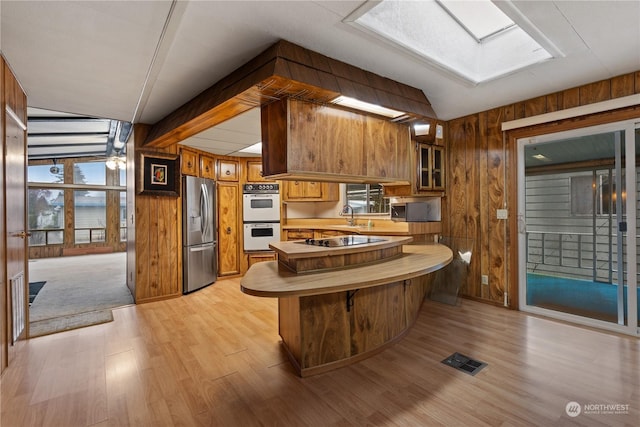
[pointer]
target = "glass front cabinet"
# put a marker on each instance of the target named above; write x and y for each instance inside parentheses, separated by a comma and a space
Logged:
(431, 171)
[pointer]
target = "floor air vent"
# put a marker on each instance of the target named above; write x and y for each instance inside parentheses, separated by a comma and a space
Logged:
(464, 363)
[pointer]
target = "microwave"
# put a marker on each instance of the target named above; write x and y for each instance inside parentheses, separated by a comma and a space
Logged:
(422, 211)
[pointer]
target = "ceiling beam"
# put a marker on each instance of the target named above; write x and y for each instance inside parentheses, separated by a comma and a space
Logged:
(284, 70)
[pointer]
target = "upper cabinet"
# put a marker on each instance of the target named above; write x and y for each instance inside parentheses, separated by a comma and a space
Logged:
(189, 164)
(310, 191)
(428, 173)
(306, 140)
(207, 166)
(228, 170)
(254, 171)
(430, 167)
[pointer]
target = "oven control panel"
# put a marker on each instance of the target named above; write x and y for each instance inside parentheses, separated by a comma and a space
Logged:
(261, 188)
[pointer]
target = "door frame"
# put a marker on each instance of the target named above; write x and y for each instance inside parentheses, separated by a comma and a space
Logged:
(629, 126)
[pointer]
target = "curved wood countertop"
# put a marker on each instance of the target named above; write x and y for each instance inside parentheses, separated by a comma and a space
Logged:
(267, 279)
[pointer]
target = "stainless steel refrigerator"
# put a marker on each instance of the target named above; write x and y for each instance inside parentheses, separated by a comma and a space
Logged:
(198, 233)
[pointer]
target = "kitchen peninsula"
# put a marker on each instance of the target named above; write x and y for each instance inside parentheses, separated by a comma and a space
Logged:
(345, 298)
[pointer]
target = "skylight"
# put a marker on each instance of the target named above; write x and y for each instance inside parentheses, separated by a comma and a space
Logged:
(474, 40)
(480, 18)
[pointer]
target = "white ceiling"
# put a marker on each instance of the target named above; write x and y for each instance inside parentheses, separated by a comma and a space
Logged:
(140, 60)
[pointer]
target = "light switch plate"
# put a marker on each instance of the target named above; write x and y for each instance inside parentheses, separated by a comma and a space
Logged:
(502, 214)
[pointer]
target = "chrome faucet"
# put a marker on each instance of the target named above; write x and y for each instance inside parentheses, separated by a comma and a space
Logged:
(345, 210)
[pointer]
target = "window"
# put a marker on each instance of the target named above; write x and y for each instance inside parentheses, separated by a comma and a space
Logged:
(90, 216)
(46, 216)
(93, 173)
(51, 173)
(366, 199)
(91, 194)
(582, 193)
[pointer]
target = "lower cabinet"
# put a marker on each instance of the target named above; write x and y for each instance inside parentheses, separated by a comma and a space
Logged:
(323, 234)
(256, 257)
(321, 332)
(229, 236)
(298, 234)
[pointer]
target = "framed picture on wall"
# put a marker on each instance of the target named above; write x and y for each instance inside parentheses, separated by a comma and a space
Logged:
(158, 174)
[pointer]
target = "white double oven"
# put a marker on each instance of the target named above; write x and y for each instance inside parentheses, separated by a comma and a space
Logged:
(260, 215)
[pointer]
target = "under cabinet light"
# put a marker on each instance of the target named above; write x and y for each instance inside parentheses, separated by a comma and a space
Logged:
(368, 107)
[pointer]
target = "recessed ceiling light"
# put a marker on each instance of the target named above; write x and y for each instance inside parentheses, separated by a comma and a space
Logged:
(540, 157)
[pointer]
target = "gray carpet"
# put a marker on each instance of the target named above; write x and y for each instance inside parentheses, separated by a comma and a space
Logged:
(80, 291)
(66, 323)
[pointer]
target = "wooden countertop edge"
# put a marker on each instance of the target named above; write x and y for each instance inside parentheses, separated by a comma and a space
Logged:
(411, 264)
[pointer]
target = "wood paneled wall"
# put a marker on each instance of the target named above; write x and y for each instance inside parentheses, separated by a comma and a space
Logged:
(482, 177)
(156, 239)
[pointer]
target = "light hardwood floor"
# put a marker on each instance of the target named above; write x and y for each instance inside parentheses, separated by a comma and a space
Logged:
(213, 358)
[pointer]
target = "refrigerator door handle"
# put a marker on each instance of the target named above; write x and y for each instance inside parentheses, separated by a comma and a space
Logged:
(200, 248)
(204, 209)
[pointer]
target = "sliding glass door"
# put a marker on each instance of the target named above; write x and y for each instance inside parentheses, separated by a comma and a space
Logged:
(578, 225)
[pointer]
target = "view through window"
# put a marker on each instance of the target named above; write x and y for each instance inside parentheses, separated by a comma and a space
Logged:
(366, 199)
(55, 194)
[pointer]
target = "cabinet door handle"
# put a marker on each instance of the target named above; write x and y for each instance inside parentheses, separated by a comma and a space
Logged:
(228, 172)
(228, 230)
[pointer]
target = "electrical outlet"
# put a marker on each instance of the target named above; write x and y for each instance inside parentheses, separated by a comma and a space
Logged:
(501, 214)
(485, 279)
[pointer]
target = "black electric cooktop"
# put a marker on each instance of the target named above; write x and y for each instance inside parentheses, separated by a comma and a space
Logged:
(334, 242)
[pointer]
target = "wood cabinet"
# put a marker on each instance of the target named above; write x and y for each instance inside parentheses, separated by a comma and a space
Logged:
(323, 234)
(254, 171)
(428, 173)
(323, 332)
(430, 167)
(189, 162)
(256, 257)
(306, 140)
(310, 191)
(228, 170)
(207, 166)
(228, 202)
(298, 234)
